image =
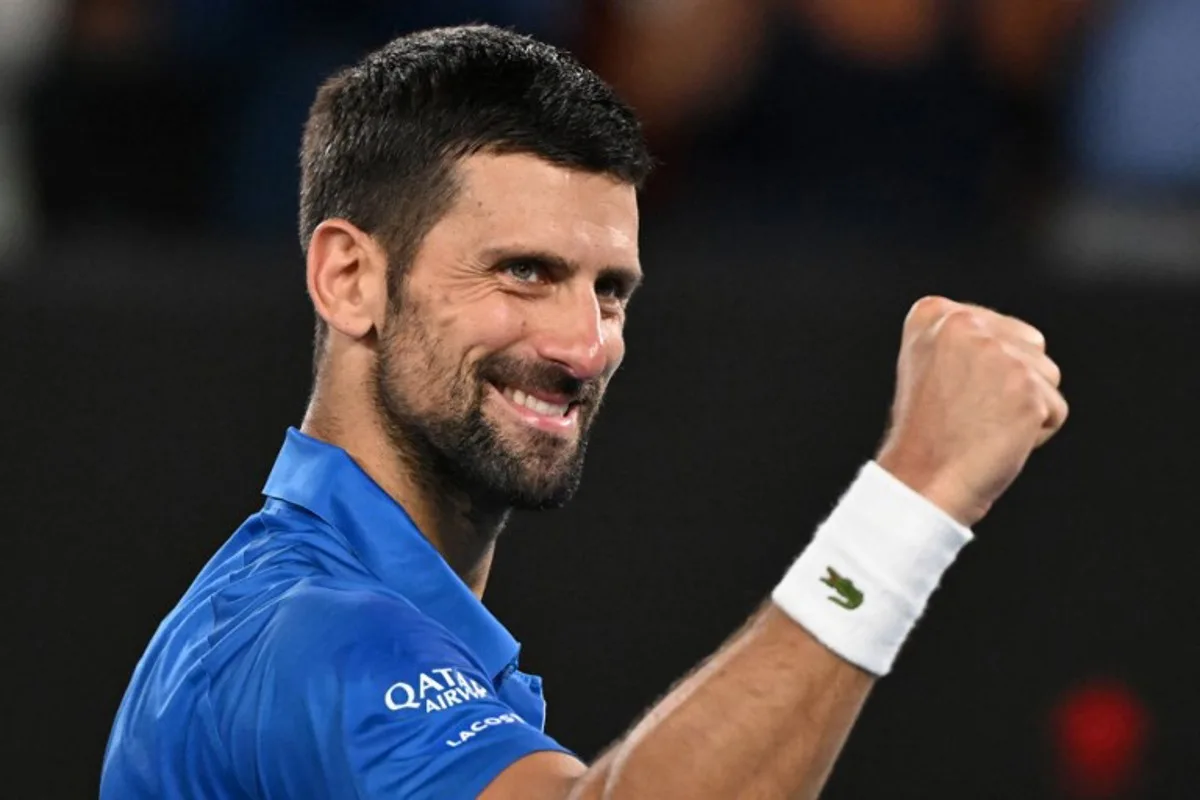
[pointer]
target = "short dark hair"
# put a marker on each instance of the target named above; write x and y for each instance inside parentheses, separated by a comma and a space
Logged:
(383, 136)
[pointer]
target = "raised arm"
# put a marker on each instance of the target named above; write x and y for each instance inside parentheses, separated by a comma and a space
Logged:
(766, 716)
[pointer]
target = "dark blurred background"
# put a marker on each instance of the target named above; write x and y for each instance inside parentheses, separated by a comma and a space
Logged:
(825, 163)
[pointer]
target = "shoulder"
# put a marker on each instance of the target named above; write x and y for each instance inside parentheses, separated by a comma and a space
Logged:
(363, 695)
(347, 626)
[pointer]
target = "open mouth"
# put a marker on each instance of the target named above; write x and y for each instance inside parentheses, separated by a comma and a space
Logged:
(541, 409)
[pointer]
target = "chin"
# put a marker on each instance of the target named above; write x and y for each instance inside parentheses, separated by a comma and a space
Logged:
(542, 501)
(525, 468)
(543, 486)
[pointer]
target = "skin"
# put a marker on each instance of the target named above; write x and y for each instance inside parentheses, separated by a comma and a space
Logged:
(533, 265)
(765, 716)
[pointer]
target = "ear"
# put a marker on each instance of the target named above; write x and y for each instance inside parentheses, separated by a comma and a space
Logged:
(347, 278)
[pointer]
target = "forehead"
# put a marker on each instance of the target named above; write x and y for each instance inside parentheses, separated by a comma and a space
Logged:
(521, 201)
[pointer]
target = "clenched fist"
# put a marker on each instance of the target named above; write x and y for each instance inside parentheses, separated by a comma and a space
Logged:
(975, 394)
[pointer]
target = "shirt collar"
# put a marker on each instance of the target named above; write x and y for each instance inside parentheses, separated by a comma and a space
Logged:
(323, 479)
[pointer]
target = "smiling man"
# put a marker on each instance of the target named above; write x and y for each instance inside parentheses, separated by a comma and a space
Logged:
(469, 213)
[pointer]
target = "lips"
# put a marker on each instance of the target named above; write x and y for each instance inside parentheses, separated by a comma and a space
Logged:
(536, 404)
(542, 394)
(559, 417)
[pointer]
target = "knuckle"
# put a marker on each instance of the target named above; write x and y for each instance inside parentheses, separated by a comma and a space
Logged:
(1020, 330)
(958, 322)
(1053, 371)
(928, 309)
(1023, 385)
(992, 350)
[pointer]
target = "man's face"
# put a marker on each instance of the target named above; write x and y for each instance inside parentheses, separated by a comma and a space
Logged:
(508, 328)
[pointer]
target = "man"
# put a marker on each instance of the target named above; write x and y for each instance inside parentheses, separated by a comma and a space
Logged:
(468, 208)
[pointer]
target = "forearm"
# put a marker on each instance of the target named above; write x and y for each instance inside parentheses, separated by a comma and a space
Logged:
(764, 717)
(767, 715)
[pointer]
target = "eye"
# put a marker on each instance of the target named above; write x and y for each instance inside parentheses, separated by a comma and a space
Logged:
(613, 287)
(525, 271)
(608, 289)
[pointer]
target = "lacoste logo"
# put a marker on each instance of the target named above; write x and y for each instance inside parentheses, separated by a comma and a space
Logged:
(849, 595)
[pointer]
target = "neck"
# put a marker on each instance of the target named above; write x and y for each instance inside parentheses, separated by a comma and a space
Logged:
(461, 530)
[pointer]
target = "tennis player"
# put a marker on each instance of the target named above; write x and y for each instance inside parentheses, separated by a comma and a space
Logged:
(469, 214)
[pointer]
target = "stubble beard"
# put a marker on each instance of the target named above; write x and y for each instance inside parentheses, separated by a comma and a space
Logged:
(456, 448)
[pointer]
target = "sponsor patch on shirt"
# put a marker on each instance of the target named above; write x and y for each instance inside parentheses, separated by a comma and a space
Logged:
(480, 725)
(433, 691)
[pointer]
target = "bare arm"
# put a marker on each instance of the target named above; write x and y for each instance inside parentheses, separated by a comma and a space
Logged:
(773, 702)
(767, 715)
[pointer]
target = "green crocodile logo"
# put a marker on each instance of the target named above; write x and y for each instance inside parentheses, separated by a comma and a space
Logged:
(849, 595)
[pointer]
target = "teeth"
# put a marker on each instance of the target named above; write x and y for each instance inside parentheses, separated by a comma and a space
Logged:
(534, 404)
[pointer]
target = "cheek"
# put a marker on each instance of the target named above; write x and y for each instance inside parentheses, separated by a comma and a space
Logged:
(422, 355)
(488, 326)
(459, 337)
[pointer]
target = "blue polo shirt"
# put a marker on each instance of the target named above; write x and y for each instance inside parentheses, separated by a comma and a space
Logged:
(326, 651)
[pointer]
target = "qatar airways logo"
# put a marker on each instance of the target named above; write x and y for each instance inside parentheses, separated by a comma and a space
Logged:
(433, 691)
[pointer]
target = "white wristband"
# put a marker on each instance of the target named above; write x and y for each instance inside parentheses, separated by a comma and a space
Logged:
(863, 582)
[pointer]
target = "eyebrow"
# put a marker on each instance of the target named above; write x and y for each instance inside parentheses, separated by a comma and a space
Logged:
(632, 276)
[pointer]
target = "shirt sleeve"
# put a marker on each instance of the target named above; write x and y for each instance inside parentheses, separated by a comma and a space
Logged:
(378, 703)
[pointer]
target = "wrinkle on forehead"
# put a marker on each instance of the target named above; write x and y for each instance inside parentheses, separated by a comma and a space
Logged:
(524, 198)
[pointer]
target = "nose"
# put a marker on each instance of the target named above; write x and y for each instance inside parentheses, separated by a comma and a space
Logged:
(574, 334)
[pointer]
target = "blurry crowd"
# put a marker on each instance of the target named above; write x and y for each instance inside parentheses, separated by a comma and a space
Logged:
(925, 116)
